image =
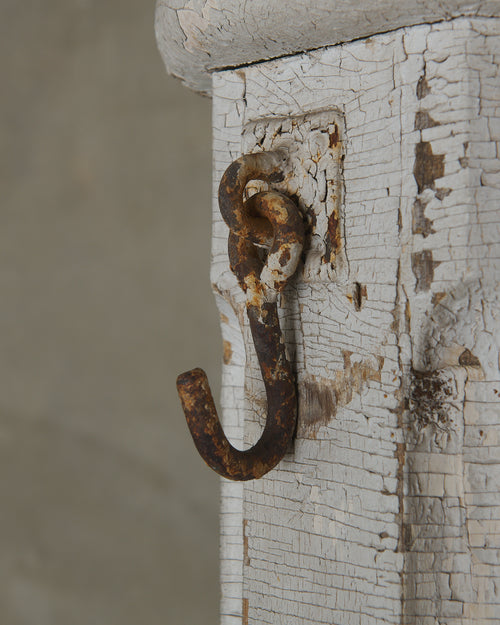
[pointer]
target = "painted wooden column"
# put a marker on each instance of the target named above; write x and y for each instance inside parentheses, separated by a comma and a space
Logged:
(386, 510)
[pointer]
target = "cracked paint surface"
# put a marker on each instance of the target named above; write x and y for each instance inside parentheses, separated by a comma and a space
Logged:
(196, 37)
(386, 509)
(313, 179)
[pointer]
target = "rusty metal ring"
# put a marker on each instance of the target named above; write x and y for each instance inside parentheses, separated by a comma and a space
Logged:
(268, 277)
(240, 214)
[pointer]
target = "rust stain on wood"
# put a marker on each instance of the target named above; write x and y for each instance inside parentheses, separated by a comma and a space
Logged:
(442, 193)
(400, 448)
(334, 136)
(467, 359)
(245, 606)
(332, 239)
(359, 372)
(227, 352)
(430, 395)
(424, 120)
(423, 268)
(358, 295)
(428, 166)
(438, 297)
(320, 398)
(423, 88)
(420, 223)
(246, 559)
(407, 315)
(317, 405)
(406, 538)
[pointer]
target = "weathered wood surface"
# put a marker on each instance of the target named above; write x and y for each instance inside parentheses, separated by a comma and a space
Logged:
(196, 37)
(387, 509)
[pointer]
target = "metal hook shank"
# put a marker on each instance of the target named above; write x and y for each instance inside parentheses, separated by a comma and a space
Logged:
(203, 421)
(265, 218)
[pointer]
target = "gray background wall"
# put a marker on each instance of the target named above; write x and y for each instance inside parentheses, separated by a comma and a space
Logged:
(107, 515)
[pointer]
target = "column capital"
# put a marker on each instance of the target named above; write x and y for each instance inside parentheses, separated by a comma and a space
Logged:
(198, 37)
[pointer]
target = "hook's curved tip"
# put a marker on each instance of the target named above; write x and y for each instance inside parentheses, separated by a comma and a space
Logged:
(201, 416)
(191, 385)
(191, 376)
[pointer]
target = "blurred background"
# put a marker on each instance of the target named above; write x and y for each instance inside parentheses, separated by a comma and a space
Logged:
(107, 514)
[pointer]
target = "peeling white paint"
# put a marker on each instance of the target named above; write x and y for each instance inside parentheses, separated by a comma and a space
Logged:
(385, 511)
(196, 37)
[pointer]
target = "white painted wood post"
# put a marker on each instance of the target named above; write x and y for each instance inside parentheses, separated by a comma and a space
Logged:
(387, 509)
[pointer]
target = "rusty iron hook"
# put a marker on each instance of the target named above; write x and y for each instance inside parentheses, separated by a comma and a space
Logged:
(268, 220)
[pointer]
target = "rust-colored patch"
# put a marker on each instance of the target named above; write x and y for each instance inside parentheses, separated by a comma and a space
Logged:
(359, 372)
(423, 268)
(406, 537)
(228, 352)
(246, 559)
(285, 257)
(397, 321)
(438, 297)
(420, 223)
(400, 455)
(467, 359)
(245, 611)
(359, 292)
(334, 136)
(464, 160)
(423, 88)
(319, 398)
(317, 405)
(224, 318)
(407, 315)
(332, 239)
(424, 120)
(442, 193)
(429, 399)
(428, 166)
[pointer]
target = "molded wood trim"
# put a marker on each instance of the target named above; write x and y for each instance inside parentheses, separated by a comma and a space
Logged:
(196, 37)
